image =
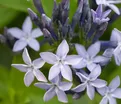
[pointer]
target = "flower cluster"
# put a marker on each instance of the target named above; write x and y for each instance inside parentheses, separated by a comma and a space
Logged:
(80, 54)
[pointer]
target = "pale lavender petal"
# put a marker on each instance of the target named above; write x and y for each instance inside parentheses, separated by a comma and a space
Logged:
(100, 59)
(95, 73)
(99, 11)
(90, 91)
(66, 72)
(72, 60)
(94, 49)
(49, 94)
(102, 91)
(115, 83)
(36, 33)
(63, 49)
(28, 78)
(45, 86)
(115, 35)
(91, 66)
(26, 57)
(108, 52)
(39, 75)
(65, 85)
(19, 45)
(16, 32)
(61, 96)
(49, 57)
(104, 100)
(106, 13)
(21, 67)
(54, 71)
(34, 44)
(83, 77)
(38, 63)
(81, 64)
(80, 87)
(114, 8)
(81, 50)
(27, 25)
(98, 83)
(112, 100)
(116, 93)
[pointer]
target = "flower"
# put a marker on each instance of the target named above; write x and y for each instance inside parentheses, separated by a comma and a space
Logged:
(99, 16)
(31, 69)
(60, 61)
(111, 92)
(56, 88)
(89, 58)
(110, 3)
(116, 37)
(26, 36)
(90, 81)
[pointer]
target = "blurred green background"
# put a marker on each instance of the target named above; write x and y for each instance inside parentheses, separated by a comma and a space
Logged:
(12, 88)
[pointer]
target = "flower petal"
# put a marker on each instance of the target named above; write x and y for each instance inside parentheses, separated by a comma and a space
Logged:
(115, 35)
(61, 96)
(39, 75)
(117, 93)
(102, 91)
(91, 66)
(66, 72)
(95, 73)
(38, 63)
(98, 83)
(104, 100)
(28, 78)
(34, 44)
(65, 86)
(54, 71)
(21, 67)
(96, 47)
(16, 32)
(26, 57)
(112, 100)
(72, 60)
(115, 83)
(100, 59)
(114, 8)
(36, 33)
(27, 25)
(81, 50)
(90, 91)
(49, 57)
(19, 45)
(63, 49)
(82, 76)
(80, 87)
(49, 94)
(45, 86)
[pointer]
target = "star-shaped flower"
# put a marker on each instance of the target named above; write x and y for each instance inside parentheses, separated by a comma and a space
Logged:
(90, 60)
(99, 16)
(60, 61)
(31, 69)
(116, 37)
(55, 88)
(90, 82)
(26, 36)
(111, 92)
(110, 4)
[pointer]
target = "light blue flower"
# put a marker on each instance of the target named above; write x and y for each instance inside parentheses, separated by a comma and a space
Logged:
(26, 36)
(90, 82)
(31, 69)
(110, 4)
(116, 37)
(55, 88)
(111, 92)
(99, 16)
(60, 61)
(89, 58)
